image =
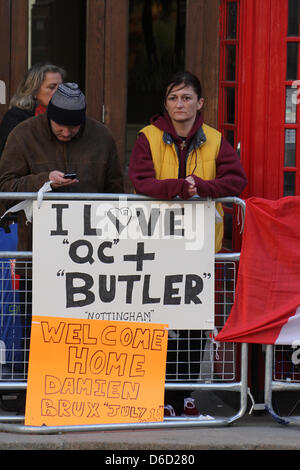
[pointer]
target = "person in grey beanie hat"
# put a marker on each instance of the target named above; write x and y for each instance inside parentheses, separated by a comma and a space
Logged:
(64, 146)
(66, 111)
(67, 106)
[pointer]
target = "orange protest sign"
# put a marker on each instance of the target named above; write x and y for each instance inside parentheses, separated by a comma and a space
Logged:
(95, 372)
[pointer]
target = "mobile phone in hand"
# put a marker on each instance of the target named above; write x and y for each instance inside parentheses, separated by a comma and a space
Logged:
(71, 176)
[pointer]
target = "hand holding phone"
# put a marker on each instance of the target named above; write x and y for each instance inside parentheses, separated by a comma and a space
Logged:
(58, 179)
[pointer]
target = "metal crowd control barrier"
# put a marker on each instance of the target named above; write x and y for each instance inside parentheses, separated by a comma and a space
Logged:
(281, 375)
(199, 365)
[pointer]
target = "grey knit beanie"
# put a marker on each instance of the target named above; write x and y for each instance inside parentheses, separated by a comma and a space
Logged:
(67, 106)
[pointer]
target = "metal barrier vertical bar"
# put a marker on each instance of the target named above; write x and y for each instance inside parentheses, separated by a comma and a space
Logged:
(2, 356)
(244, 382)
(268, 379)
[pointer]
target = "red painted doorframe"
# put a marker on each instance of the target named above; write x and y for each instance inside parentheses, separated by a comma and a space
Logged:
(275, 111)
(262, 94)
(260, 83)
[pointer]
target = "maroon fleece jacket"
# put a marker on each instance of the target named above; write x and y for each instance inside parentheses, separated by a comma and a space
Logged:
(230, 177)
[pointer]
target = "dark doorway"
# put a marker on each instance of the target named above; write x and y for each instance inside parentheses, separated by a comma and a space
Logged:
(156, 49)
(58, 30)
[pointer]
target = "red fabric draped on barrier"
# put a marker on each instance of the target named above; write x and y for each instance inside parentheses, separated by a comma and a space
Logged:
(267, 301)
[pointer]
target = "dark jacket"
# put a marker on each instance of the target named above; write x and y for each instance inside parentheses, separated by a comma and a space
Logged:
(10, 120)
(230, 177)
(32, 152)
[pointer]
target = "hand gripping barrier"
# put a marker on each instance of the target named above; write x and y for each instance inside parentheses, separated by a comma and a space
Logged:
(217, 365)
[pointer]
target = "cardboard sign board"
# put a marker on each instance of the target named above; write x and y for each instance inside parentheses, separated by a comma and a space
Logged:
(140, 261)
(92, 372)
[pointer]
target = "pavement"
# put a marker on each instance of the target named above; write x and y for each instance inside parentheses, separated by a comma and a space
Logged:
(255, 431)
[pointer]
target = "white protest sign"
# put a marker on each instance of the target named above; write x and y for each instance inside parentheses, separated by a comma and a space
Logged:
(140, 261)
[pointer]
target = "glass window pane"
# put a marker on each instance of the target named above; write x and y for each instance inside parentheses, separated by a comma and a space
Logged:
(290, 147)
(292, 61)
(232, 20)
(156, 50)
(290, 105)
(229, 134)
(289, 184)
(230, 105)
(49, 22)
(293, 18)
(230, 62)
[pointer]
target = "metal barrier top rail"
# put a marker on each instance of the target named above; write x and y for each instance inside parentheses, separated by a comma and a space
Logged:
(110, 196)
(115, 197)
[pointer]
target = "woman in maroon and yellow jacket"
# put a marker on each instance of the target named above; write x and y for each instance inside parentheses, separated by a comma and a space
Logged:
(179, 155)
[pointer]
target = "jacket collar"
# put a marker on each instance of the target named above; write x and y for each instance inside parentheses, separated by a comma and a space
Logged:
(197, 141)
(196, 137)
